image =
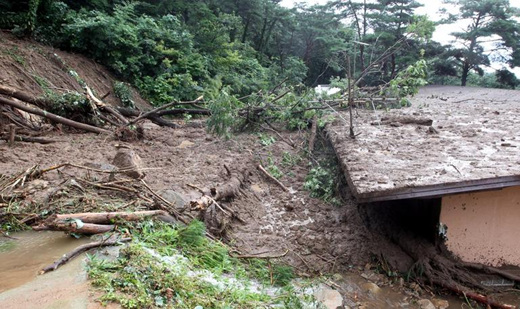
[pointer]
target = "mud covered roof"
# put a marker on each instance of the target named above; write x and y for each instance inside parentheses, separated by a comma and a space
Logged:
(472, 143)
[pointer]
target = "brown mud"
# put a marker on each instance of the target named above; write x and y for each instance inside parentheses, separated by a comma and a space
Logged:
(319, 238)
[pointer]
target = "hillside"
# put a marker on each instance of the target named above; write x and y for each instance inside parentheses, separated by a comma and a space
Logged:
(36, 69)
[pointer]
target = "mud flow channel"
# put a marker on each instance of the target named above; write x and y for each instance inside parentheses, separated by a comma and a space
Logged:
(23, 257)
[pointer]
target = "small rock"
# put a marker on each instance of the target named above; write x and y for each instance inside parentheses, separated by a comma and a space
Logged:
(440, 303)
(371, 288)
(126, 159)
(330, 298)
(425, 304)
(177, 199)
(185, 144)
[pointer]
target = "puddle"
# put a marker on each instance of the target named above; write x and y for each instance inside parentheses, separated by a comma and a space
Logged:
(22, 258)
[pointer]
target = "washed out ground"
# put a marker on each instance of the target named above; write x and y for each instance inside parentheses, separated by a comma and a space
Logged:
(320, 239)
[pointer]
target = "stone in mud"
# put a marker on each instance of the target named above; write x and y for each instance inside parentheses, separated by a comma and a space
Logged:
(426, 304)
(126, 159)
(177, 199)
(440, 303)
(330, 298)
(371, 288)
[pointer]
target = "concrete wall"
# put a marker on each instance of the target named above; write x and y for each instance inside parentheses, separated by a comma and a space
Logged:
(484, 227)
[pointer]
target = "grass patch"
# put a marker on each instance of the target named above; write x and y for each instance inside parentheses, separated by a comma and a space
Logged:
(178, 267)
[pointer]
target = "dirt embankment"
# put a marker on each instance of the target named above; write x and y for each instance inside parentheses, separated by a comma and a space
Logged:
(32, 67)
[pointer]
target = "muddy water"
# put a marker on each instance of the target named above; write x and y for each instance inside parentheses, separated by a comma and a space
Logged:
(22, 258)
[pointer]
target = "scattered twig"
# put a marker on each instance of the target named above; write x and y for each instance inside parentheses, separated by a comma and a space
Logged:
(260, 256)
(154, 111)
(276, 181)
(270, 128)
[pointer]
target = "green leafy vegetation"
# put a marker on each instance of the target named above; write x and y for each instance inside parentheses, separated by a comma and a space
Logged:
(178, 267)
(322, 181)
(124, 93)
(172, 50)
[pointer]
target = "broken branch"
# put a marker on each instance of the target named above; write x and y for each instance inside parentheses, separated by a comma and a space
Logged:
(276, 181)
(67, 257)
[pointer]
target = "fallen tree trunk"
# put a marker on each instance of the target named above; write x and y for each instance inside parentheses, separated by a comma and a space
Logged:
(97, 223)
(53, 117)
(28, 139)
(180, 111)
(314, 130)
(74, 227)
(109, 217)
(24, 96)
(67, 257)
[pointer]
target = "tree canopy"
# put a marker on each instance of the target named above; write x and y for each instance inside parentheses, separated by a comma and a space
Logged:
(175, 50)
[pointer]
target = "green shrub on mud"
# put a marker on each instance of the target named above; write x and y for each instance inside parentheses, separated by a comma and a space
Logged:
(177, 266)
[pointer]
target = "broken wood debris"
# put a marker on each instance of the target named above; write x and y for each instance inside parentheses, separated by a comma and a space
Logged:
(83, 248)
(403, 120)
(97, 223)
(270, 177)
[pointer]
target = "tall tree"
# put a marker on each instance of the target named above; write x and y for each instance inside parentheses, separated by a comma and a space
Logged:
(381, 24)
(491, 24)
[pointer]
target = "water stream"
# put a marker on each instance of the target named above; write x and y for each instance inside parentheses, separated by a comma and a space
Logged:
(22, 258)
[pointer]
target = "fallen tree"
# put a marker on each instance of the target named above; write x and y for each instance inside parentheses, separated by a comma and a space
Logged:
(53, 117)
(97, 223)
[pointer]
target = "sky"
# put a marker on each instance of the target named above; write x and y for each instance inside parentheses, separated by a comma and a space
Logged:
(430, 8)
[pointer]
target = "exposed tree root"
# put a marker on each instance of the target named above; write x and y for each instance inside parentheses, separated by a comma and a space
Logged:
(215, 215)
(430, 263)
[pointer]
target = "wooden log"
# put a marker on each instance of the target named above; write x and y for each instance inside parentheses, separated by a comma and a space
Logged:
(476, 297)
(12, 133)
(73, 227)
(230, 188)
(276, 181)
(180, 111)
(83, 248)
(24, 96)
(109, 217)
(53, 117)
(28, 139)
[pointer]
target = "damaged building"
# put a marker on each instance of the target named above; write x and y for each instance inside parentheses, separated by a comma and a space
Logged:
(452, 160)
